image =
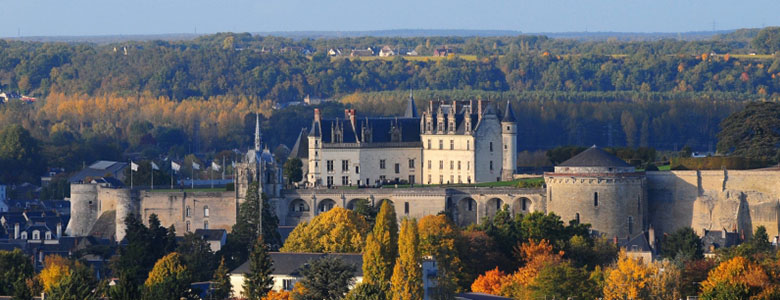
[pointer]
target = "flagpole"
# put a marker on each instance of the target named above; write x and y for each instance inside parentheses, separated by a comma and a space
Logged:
(192, 180)
(131, 175)
(211, 176)
(173, 173)
(152, 166)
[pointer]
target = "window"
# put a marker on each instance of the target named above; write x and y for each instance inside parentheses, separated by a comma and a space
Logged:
(491, 165)
(630, 225)
(452, 144)
(382, 178)
(411, 164)
(441, 165)
(429, 143)
(316, 153)
(429, 178)
(206, 211)
(316, 143)
(344, 180)
(411, 179)
(397, 168)
(36, 235)
(441, 179)
(24, 235)
(188, 226)
(491, 146)
(429, 164)
(330, 180)
(507, 128)
(577, 217)
(441, 144)
(329, 165)
(524, 204)
(205, 224)
(468, 145)
(458, 165)
(287, 284)
(468, 165)
(382, 164)
(406, 208)
(596, 199)
(459, 180)
(187, 212)
(48, 235)
(452, 165)
(357, 169)
(345, 166)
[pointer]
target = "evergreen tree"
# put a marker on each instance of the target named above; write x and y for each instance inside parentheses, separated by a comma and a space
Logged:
(293, 170)
(683, 242)
(406, 282)
(246, 230)
(327, 278)
(197, 255)
(221, 280)
(259, 281)
(381, 247)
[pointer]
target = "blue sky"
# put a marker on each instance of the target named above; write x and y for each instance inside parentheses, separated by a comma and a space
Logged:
(90, 17)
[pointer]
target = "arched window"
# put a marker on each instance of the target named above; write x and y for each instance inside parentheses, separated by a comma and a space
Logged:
(188, 226)
(596, 199)
(187, 212)
(206, 211)
(36, 235)
(24, 235)
(205, 224)
(47, 235)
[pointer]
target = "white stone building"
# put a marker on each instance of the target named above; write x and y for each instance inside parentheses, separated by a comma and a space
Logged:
(451, 143)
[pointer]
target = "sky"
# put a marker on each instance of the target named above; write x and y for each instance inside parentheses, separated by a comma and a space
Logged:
(111, 17)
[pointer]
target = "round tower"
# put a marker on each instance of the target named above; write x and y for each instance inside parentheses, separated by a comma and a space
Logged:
(83, 209)
(597, 188)
(125, 205)
(509, 139)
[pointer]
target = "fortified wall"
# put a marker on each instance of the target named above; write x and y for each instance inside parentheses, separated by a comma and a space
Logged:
(715, 200)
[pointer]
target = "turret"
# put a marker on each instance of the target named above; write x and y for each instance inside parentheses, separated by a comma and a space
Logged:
(451, 118)
(315, 146)
(509, 139)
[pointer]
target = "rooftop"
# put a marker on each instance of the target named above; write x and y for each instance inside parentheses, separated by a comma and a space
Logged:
(594, 157)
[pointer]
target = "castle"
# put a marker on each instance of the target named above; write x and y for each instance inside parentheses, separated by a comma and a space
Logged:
(450, 143)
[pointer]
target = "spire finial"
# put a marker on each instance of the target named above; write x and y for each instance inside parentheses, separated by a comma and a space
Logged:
(257, 132)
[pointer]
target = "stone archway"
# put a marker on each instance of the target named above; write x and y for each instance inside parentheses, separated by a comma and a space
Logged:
(298, 210)
(354, 202)
(493, 206)
(325, 205)
(522, 205)
(466, 211)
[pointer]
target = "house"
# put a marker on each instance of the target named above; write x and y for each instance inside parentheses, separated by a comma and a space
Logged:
(357, 52)
(443, 51)
(334, 52)
(98, 169)
(288, 266)
(412, 53)
(716, 239)
(215, 237)
(386, 51)
(640, 246)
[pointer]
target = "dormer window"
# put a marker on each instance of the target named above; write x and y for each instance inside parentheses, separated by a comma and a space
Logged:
(48, 235)
(36, 235)
(24, 235)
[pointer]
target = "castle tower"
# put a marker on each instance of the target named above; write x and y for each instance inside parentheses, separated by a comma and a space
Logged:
(600, 189)
(315, 147)
(84, 209)
(509, 139)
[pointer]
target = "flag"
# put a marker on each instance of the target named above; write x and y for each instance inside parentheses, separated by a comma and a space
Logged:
(154, 166)
(195, 166)
(233, 163)
(133, 166)
(215, 166)
(176, 167)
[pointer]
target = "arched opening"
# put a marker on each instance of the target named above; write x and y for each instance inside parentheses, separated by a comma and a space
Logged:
(522, 205)
(466, 211)
(205, 224)
(326, 205)
(379, 204)
(493, 206)
(355, 203)
(297, 211)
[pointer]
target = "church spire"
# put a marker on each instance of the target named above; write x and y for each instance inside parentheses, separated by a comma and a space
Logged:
(257, 132)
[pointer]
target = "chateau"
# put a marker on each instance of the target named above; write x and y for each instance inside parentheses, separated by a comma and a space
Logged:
(454, 142)
(450, 143)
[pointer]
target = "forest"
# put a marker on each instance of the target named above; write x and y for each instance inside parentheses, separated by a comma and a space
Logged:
(156, 99)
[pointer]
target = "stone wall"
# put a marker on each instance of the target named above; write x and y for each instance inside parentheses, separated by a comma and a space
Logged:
(188, 209)
(715, 200)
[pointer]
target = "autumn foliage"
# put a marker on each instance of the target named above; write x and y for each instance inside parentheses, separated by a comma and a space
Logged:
(337, 231)
(490, 282)
(281, 295)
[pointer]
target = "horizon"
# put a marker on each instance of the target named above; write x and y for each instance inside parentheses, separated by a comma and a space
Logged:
(48, 18)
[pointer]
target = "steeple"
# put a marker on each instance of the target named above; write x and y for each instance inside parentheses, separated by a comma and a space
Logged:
(257, 132)
(411, 108)
(509, 115)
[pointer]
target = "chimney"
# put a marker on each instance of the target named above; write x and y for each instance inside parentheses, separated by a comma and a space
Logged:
(352, 118)
(59, 230)
(479, 109)
(430, 106)
(16, 231)
(651, 237)
(317, 115)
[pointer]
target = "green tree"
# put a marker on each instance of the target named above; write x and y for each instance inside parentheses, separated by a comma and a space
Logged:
(259, 281)
(753, 132)
(169, 279)
(562, 281)
(246, 229)
(406, 282)
(767, 40)
(381, 247)
(293, 170)
(683, 242)
(19, 156)
(197, 256)
(77, 286)
(144, 247)
(327, 278)
(15, 269)
(221, 279)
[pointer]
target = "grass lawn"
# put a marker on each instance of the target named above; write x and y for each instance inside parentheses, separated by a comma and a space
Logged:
(189, 190)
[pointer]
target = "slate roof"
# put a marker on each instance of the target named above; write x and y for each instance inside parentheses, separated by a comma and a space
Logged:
(718, 239)
(98, 169)
(380, 129)
(411, 108)
(637, 243)
(509, 115)
(594, 157)
(301, 147)
(211, 234)
(291, 263)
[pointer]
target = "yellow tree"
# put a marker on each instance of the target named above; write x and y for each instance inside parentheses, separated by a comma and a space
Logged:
(628, 279)
(169, 279)
(337, 231)
(406, 282)
(56, 268)
(438, 238)
(536, 255)
(381, 246)
(737, 277)
(490, 282)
